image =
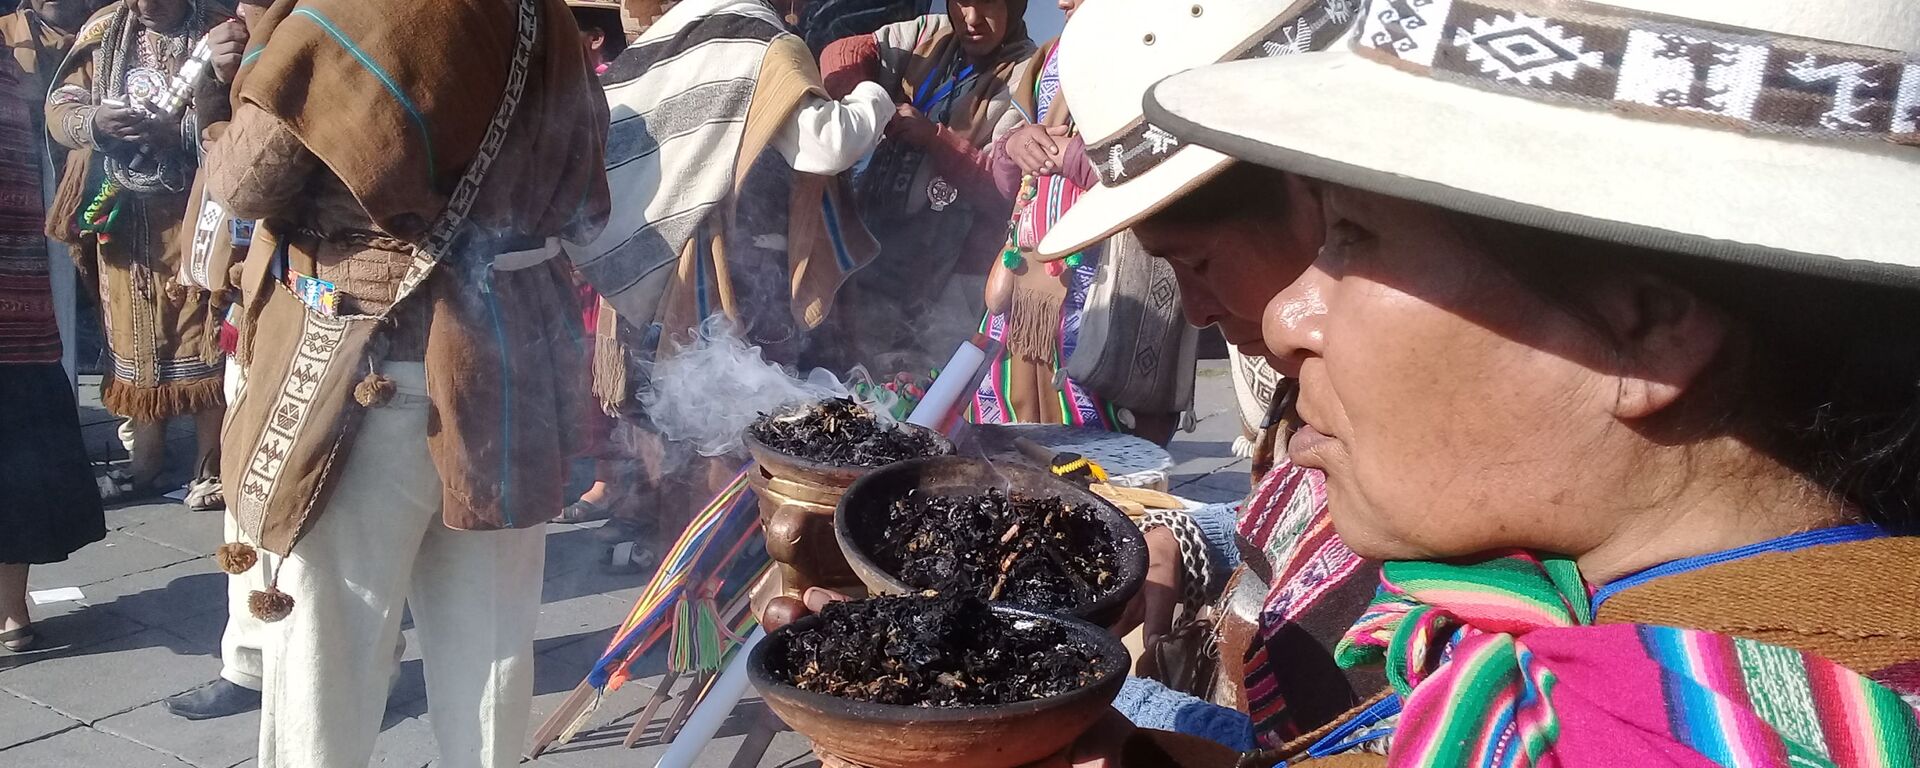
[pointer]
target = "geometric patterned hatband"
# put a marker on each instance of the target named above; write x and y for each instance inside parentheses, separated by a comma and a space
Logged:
(1653, 67)
(1140, 146)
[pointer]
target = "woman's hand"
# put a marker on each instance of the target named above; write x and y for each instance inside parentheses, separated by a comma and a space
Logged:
(120, 121)
(1152, 608)
(229, 43)
(1036, 148)
(784, 610)
(910, 126)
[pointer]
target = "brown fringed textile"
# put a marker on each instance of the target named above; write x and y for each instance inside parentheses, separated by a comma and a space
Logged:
(612, 361)
(1033, 322)
(159, 403)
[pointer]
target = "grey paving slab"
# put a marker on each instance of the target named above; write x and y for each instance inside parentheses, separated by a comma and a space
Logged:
(204, 744)
(114, 677)
(575, 618)
(143, 512)
(87, 748)
(196, 533)
(118, 555)
(22, 721)
(165, 596)
(407, 743)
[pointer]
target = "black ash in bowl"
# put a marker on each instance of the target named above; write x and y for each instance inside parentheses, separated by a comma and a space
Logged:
(936, 650)
(1036, 551)
(841, 432)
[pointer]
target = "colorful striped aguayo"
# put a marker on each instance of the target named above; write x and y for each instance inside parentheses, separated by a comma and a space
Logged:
(1499, 665)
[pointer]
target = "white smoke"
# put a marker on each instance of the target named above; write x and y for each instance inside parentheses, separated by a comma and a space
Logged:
(705, 394)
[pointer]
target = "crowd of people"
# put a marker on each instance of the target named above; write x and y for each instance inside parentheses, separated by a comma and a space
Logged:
(1599, 442)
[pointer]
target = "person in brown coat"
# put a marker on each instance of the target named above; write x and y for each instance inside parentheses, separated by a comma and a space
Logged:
(412, 349)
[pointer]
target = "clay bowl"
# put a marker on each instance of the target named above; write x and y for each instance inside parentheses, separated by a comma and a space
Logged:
(896, 736)
(862, 514)
(789, 467)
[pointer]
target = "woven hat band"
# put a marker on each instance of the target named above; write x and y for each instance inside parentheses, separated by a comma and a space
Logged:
(1652, 67)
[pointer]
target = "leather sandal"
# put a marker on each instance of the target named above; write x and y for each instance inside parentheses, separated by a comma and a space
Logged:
(583, 511)
(19, 640)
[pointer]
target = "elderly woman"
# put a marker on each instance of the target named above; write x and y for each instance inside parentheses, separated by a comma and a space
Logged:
(1632, 418)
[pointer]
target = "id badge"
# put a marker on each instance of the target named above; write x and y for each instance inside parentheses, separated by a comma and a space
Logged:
(241, 231)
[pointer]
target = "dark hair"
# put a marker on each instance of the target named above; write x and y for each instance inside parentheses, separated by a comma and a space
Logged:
(1822, 375)
(607, 21)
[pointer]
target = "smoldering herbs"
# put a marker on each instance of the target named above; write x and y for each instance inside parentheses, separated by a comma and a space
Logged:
(933, 650)
(840, 432)
(1041, 553)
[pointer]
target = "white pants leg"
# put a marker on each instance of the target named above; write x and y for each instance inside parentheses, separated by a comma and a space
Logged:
(240, 643)
(475, 598)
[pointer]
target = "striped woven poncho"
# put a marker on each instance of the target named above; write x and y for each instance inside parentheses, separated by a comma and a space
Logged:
(1498, 664)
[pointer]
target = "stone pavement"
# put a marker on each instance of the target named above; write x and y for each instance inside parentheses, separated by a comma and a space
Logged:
(149, 627)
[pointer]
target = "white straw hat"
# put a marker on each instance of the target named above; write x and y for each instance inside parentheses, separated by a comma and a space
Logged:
(1780, 133)
(1114, 50)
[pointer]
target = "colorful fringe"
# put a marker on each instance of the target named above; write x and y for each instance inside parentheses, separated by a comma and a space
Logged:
(1499, 665)
(684, 595)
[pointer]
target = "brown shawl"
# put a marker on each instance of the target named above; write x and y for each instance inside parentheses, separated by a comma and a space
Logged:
(395, 99)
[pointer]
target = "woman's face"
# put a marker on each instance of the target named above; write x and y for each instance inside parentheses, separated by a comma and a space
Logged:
(981, 24)
(1453, 410)
(1067, 7)
(1229, 269)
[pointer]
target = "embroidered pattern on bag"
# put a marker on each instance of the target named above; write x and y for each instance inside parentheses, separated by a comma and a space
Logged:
(1603, 57)
(320, 337)
(1142, 146)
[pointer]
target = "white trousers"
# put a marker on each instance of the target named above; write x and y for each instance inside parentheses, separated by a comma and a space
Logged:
(240, 642)
(379, 544)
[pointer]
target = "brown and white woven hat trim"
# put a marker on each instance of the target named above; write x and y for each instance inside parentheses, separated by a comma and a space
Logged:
(1650, 66)
(1141, 146)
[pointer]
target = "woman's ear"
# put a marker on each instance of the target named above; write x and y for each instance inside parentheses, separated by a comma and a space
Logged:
(1664, 337)
(1306, 219)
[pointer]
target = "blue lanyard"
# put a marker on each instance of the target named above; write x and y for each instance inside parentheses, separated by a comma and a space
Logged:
(925, 105)
(1357, 731)
(1791, 543)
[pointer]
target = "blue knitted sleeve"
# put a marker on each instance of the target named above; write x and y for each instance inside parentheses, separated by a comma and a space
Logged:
(1151, 705)
(1218, 524)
